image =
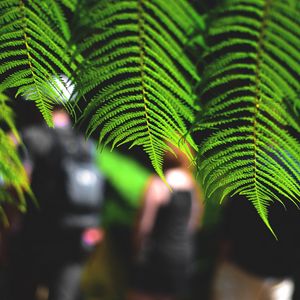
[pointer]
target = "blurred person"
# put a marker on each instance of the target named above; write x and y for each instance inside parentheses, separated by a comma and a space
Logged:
(253, 264)
(165, 231)
(59, 232)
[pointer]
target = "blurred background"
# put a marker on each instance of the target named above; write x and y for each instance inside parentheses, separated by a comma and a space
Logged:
(234, 251)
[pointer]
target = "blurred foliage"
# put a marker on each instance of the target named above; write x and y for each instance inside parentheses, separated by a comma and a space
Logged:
(14, 182)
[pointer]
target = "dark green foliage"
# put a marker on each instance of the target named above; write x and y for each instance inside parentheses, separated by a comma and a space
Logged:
(251, 103)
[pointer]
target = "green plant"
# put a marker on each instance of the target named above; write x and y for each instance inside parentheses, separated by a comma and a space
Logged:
(13, 178)
(136, 67)
(251, 103)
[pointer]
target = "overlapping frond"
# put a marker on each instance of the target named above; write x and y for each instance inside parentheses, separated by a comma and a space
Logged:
(251, 97)
(34, 49)
(12, 174)
(138, 73)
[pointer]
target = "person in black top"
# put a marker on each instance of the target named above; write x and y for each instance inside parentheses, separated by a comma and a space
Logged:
(60, 231)
(165, 232)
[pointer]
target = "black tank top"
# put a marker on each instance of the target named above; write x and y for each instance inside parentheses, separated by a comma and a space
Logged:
(171, 239)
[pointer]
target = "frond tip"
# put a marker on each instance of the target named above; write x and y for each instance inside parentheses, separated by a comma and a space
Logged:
(250, 84)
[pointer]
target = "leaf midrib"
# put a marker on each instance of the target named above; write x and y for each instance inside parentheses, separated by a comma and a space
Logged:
(142, 66)
(257, 101)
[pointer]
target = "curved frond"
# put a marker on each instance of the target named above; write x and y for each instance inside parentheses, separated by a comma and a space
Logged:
(251, 103)
(34, 37)
(138, 75)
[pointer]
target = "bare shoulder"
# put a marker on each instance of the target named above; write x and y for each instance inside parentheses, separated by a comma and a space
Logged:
(157, 191)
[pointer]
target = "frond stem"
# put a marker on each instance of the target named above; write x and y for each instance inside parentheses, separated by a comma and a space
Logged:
(141, 24)
(258, 98)
(29, 57)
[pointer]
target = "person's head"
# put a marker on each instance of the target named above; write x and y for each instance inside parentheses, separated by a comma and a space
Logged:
(61, 118)
(176, 158)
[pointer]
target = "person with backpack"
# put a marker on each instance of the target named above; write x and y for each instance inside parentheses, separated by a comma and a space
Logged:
(62, 228)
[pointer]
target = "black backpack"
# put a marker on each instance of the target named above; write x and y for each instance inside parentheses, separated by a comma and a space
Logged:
(83, 183)
(65, 180)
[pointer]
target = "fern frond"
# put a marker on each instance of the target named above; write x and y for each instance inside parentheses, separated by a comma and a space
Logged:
(139, 75)
(34, 43)
(12, 173)
(251, 103)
